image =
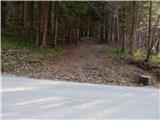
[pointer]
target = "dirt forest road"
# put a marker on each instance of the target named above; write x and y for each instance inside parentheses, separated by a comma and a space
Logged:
(89, 63)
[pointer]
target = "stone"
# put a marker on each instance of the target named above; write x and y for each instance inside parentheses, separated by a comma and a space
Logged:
(145, 80)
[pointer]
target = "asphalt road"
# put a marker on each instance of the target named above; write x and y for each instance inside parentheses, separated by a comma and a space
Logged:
(26, 98)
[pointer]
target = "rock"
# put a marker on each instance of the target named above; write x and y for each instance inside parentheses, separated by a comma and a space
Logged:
(143, 79)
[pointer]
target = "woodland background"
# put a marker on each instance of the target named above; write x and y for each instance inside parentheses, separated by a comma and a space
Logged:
(128, 30)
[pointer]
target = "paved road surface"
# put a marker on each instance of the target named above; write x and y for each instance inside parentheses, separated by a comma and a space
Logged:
(42, 99)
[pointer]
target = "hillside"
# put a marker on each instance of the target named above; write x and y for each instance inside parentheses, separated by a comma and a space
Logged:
(84, 63)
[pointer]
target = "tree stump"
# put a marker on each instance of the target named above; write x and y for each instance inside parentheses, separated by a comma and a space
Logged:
(144, 80)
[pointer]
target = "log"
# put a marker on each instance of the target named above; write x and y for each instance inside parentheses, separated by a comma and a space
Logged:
(144, 80)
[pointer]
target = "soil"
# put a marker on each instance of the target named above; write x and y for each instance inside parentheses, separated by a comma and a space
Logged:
(88, 63)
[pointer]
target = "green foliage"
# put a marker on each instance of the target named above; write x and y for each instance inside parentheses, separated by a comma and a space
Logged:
(16, 42)
(138, 55)
(155, 59)
(72, 11)
(113, 52)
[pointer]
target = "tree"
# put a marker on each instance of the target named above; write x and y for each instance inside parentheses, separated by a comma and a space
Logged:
(55, 24)
(44, 22)
(49, 24)
(133, 27)
(117, 23)
(124, 29)
(149, 33)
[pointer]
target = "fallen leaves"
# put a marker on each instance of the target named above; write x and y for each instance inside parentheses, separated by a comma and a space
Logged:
(87, 63)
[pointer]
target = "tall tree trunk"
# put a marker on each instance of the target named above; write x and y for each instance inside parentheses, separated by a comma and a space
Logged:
(45, 23)
(52, 20)
(99, 31)
(104, 30)
(83, 32)
(13, 15)
(78, 35)
(158, 47)
(21, 13)
(88, 30)
(25, 20)
(56, 31)
(104, 25)
(55, 24)
(94, 33)
(37, 23)
(117, 24)
(112, 32)
(133, 28)
(62, 31)
(124, 30)
(69, 36)
(149, 33)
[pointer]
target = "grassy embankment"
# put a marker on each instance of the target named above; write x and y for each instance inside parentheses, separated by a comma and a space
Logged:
(16, 52)
(138, 56)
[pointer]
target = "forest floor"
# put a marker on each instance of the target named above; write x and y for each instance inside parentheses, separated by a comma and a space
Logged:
(85, 63)
(90, 63)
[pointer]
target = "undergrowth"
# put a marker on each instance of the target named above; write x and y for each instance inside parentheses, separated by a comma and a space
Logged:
(15, 42)
(114, 53)
(138, 55)
(16, 52)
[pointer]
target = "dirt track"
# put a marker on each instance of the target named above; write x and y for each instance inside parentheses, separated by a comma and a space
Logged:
(89, 63)
(84, 63)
